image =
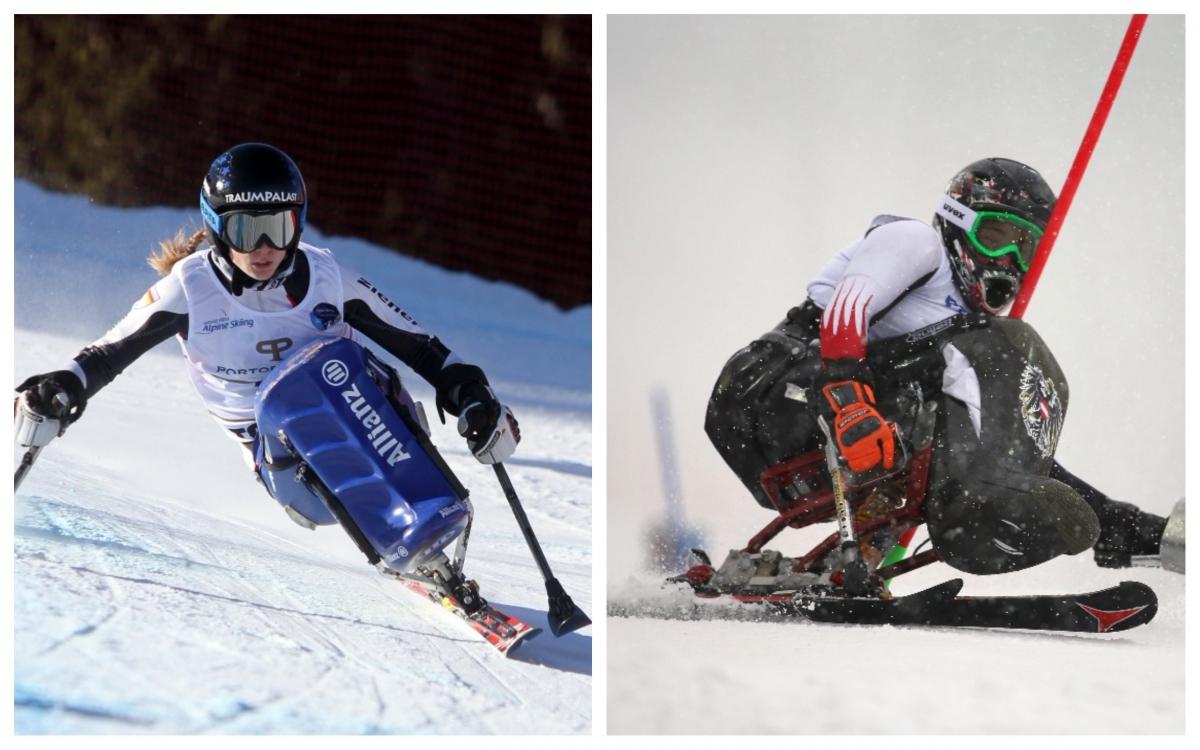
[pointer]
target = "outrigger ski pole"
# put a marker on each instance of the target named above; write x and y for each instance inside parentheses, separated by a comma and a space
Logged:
(31, 428)
(856, 572)
(26, 464)
(564, 617)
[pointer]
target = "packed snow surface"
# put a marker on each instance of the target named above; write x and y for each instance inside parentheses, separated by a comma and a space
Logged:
(796, 677)
(159, 589)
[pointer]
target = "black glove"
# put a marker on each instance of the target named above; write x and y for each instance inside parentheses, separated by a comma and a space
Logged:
(45, 406)
(450, 384)
(490, 428)
(480, 411)
(58, 395)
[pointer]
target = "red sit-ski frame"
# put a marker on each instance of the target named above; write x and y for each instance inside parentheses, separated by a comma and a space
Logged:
(816, 505)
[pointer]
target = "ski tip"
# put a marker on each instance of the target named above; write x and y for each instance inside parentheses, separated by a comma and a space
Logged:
(1122, 607)
(953, 585)
(525, 636)
(1142, 590)
(944, 590)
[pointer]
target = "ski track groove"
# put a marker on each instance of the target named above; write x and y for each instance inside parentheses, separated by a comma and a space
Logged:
(260, 605)
(380, 704)
(350, 650)
(295, 619)
(91, 713)
(514, 698)
(83, 631)
(246, 711)
(293, 627)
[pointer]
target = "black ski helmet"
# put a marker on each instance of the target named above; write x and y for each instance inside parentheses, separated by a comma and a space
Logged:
(251, 176)
(992, 184)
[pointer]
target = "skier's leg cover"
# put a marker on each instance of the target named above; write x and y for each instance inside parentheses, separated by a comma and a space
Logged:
(279, 477)
(754, 418)
(992, 506)
(340, 410)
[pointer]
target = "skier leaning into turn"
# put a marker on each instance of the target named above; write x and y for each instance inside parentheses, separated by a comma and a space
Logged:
(240, 295)
(904, 276)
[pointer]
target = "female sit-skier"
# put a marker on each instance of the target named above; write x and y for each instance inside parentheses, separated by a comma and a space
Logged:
(997, 499)
(241, 294)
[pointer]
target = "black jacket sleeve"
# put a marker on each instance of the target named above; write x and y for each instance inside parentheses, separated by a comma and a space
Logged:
(368, 310)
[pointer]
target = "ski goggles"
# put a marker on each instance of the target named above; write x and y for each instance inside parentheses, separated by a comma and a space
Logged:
(244, 231)
(994, 234)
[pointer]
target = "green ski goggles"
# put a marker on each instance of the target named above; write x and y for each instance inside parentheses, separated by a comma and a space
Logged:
(994, 234)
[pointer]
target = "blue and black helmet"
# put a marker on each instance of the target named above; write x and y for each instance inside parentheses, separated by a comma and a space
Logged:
(252, 179)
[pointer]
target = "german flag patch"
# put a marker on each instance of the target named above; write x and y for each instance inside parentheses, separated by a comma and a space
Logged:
(149, 298)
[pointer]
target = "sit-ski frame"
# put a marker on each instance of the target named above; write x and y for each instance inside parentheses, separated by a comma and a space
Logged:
(816, 505)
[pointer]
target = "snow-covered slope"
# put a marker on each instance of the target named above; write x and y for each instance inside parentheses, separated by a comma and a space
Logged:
(809, 678)
(159, 589)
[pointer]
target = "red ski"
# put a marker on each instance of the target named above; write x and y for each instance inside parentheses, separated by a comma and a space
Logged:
(504, 632)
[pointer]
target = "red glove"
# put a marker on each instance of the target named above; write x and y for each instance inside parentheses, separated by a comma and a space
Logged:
(864, 438)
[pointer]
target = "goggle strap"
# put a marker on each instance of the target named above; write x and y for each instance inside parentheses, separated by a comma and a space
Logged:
(210, 216)
(956, 213)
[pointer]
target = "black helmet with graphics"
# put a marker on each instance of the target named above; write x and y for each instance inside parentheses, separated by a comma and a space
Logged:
(253, 193)
(991, 220)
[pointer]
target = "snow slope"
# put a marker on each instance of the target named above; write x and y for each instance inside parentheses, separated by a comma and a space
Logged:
(158, 589)
(771, 677)
(744, 151)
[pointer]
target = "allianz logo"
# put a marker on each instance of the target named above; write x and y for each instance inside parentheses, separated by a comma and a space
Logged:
(386, 445)
(451, 509)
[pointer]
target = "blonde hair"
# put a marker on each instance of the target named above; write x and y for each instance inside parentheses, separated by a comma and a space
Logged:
(174, 250)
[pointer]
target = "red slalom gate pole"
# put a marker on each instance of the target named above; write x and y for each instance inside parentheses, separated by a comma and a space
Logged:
(1059, 214)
